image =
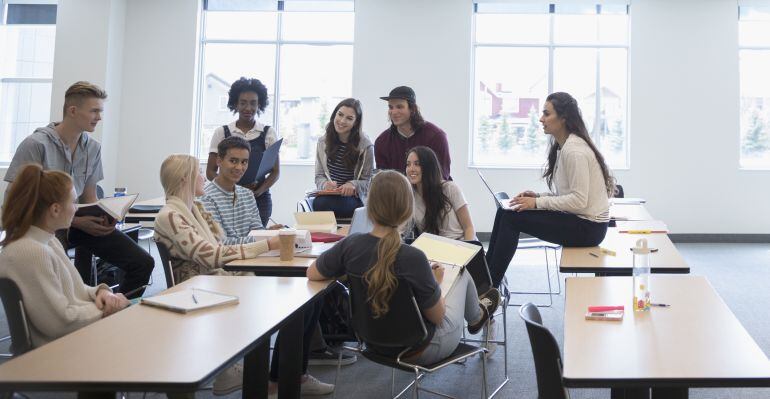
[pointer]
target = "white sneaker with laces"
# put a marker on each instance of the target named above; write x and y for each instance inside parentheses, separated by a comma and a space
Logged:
(312, 386)
(229, 380)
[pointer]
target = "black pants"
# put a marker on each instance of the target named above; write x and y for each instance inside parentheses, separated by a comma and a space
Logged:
(265, 206)
(311, 314)
(557, 227)
(118, 249)
(343, 207)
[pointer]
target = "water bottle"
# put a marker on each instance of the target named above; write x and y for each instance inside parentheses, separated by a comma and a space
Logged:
(119, 192)
(641, 276)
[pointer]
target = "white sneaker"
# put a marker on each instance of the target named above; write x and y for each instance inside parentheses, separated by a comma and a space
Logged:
(312, 386)
(229, 380)
(490, 331)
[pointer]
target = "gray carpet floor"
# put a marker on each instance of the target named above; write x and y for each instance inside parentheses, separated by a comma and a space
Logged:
(739, 272)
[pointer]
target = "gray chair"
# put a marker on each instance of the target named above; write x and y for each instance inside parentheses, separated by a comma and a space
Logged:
(545, 351)
(21, 341)
(165, 259)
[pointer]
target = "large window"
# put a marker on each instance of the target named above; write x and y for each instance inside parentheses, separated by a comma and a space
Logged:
(524, 51)
(754, 53)
(27, 33)
(301, 50)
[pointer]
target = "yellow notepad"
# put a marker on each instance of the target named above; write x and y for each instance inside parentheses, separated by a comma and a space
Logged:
(453, 254)
(190, 300)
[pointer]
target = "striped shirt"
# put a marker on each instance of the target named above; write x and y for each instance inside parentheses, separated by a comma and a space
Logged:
(236, 212)
(337, 170)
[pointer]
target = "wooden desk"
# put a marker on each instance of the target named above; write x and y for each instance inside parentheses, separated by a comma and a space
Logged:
(697, 342)
(629, 212)
(580, 260)
(148, 349)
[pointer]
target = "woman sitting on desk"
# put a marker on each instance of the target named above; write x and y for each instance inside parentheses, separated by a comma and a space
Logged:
(439, 205)
(344, 161)
(56, 301)
(380, 258)
(576, 211)
(194, 241)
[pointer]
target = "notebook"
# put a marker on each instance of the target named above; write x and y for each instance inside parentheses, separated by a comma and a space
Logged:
(265, 165)
(189, 300)
(499, 202)
(452, 254)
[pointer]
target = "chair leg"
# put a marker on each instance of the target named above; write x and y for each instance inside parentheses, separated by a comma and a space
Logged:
(416, 384)
(336, 376)
(392, 382)
(483, 375)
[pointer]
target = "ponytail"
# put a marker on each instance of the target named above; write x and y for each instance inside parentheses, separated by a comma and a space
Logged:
(30, 195)
(381, 278)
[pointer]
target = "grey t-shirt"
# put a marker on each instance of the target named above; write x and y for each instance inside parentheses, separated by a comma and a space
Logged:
(46, 148)
(357, 253)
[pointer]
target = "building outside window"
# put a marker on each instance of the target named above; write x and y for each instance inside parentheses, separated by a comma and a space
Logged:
(524, 51)
(301, 50)
(27, 41)
(754, 55)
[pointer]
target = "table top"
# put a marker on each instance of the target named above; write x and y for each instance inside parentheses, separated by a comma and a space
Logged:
(695, 342)
(579, 259)
(147, 219)
(151, 349)
(629, 212)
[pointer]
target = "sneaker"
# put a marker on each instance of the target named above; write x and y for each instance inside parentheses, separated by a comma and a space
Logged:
(490, 330)
(229, 380)
(329, 358)
(474, 328)
(491, 300)
(311, 386)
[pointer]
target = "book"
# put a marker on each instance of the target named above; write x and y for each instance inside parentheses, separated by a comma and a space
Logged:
(322, 222)
(189, 300)
(452, 254)
(325, 237)
(113, 207)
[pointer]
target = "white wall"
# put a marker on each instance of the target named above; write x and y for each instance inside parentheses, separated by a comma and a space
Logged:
(683, 100)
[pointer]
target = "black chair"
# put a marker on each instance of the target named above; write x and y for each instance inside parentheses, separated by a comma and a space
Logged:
(165, 258)
(13, 304)
(619, 191)
(391, 337)
(545, 350)
(536, 243)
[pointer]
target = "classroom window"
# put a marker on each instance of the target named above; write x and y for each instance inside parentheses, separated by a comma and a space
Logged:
(301, 50)
(524, 51)
(754, 56)
(27, 38)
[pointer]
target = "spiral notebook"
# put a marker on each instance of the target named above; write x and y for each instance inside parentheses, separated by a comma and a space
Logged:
(190, 300)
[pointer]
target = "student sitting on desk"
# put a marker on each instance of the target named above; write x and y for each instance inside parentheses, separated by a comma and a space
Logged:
(380, 258)
(576, 211)
(439, 205)
(248, 98)
(194, 240)
(231, 205)
(56, 301)
(344, 161)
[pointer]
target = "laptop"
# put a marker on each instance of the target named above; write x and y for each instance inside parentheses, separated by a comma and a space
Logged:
(499, 202)
(360, 222)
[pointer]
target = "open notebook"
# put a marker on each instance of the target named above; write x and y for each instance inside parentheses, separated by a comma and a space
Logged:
(453, 254)
(190, 300)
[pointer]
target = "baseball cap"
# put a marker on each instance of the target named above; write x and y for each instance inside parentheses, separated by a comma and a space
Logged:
(402, 92)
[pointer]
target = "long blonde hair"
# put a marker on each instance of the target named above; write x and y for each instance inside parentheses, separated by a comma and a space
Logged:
(32, 192)
(390, 204)
(178, 174)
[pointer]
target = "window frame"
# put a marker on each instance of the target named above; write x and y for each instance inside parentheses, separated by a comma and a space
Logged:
(551, 46)
(279, 42)
(750, 48)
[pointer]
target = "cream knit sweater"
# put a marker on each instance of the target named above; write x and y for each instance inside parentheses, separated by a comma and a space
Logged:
(56, 300)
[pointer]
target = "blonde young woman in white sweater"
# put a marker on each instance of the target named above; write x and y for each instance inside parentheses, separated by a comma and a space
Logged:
(56, 300)
(575, 212)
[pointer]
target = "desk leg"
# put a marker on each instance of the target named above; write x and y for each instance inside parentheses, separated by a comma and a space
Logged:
(290, 357)
(630, 393)
(670, 393)
(256, 367)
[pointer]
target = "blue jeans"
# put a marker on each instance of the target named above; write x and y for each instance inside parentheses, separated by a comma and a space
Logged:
(557, 227)
(342, 207)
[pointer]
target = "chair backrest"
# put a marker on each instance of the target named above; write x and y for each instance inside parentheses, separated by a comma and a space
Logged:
(165, 258)
(619, 191)
(305, 205)
(545, 350)
(17, 319)
(401, 327)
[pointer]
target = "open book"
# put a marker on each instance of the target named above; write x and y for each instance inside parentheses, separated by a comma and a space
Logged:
(323, 222)
(452, 254)
(189, 300)
(114, 207)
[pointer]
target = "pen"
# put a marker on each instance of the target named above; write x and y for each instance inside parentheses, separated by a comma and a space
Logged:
(274, 222)
(134, 291)
(639, 231)
(660, 305)
(193, 296)
(593, 254)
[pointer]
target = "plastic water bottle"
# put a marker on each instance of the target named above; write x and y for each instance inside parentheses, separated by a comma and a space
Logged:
(641, 276)
(119, 192)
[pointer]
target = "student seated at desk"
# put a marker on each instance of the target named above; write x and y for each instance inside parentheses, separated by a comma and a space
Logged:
(56, 301)
(576, 212)
(380, 257)
(231, 205)
(194, 240)
(344, 161)
(439, 205)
